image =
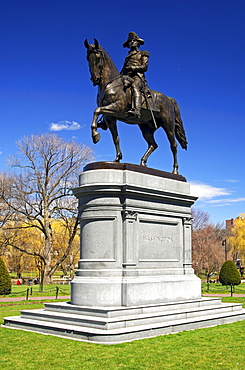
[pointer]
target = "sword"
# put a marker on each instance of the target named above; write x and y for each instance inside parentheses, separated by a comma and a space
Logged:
(146, 99)
(150, 109)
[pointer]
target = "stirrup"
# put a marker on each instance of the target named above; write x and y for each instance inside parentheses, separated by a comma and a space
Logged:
(134, 112)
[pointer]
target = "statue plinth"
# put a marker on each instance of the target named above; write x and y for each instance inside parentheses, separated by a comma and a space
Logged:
(135, 237)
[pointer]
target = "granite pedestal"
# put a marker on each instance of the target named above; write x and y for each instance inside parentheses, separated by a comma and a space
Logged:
(135, 238)
(135, 276)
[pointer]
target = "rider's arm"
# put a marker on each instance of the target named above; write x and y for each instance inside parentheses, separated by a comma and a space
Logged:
(143, 67)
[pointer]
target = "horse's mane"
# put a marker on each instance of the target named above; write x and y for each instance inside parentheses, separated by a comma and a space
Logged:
(111, 64)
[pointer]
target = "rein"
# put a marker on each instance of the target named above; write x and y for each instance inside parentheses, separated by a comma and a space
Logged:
(114, 79)
(106, 86)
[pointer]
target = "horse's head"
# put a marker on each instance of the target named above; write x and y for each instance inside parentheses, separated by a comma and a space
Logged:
(95, 60)
(101, 66)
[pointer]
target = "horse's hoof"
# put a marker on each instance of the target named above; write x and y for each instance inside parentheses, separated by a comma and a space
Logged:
(96, 137)
(175, 172)
(142, 163)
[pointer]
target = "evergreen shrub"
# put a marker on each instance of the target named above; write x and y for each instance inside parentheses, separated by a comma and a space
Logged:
(5, 280)
(229, 275)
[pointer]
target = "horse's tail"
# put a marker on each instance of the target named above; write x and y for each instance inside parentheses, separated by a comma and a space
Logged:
(179, 127)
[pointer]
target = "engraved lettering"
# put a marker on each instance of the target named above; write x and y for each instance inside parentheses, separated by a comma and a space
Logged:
(161, 239)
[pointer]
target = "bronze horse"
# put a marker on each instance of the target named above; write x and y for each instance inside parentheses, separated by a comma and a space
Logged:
(114, 101)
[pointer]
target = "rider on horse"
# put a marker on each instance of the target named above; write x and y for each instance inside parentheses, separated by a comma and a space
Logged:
(135, 64)
(113, 102)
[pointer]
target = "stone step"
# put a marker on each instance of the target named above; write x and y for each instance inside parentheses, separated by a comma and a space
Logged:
(134, 319)
(117, 335)
(124, 310)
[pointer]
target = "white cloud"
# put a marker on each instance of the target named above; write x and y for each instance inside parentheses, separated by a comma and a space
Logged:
(64, 125)
(232, 181)
(205, 191)
(226, 201)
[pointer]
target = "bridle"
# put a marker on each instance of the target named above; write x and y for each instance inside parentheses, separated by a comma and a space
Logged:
(100, 59)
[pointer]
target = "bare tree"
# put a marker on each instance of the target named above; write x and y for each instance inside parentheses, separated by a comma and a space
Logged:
(200, 219)
(39, 189)
(207, 250)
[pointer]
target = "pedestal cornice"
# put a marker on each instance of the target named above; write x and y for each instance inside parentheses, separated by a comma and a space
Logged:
(134, 168)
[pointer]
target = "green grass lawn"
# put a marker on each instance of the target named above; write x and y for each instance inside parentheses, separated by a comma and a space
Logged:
(220, 347)
(218, 288)
(34, 290)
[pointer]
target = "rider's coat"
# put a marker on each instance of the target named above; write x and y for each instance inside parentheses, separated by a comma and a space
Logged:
(136, 63)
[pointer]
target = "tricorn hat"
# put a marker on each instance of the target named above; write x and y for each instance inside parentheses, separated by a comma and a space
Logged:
(133, 36)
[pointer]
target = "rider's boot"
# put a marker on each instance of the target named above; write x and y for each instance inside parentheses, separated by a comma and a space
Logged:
(137, 107)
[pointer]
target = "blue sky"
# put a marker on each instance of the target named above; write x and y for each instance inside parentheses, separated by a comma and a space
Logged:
(197, 57)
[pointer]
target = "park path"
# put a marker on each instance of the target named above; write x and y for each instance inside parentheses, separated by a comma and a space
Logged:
(31, 298)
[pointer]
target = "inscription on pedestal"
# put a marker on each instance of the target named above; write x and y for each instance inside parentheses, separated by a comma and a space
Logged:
(159, 241)
(162, 239)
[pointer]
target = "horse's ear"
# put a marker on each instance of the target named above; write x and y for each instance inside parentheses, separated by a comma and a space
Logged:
(96, 44)
(86, 44)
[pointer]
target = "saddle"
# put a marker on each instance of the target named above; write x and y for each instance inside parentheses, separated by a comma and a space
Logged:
(146, 96)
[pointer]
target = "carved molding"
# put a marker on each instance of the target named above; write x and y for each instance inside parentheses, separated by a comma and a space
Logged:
(187, 220)
(129, 215)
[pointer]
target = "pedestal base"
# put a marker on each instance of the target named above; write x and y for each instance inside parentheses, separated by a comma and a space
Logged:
(111, 325)
(134, 290)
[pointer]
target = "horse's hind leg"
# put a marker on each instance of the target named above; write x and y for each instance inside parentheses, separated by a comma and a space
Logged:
(148, 134)
(112, 124)
(169, 129)
(173, 146)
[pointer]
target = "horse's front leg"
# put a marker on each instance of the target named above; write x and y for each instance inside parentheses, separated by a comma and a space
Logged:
(112, 124)
(95, 133)
(108, 109)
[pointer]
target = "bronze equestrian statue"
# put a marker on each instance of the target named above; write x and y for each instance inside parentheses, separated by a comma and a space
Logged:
(118, 99)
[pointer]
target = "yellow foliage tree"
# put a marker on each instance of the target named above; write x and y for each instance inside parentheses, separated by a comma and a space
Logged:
(21, 245)
(62, 231)
(237, 238)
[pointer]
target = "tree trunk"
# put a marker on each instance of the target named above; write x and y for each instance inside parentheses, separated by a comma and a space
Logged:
(47, 276)
(231, 290)
(207, 275)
